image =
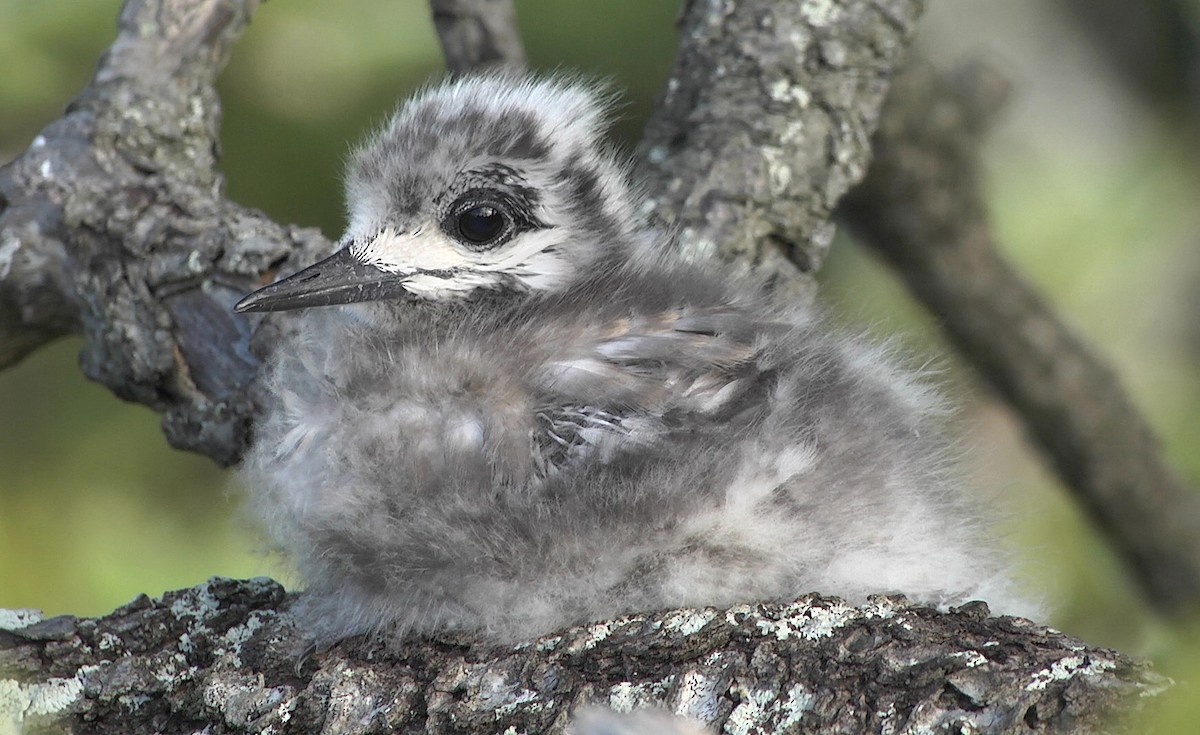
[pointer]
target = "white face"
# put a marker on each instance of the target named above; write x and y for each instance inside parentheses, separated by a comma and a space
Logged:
(488, 183)
(432, 264)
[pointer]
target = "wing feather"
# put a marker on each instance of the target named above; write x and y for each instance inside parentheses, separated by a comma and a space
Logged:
(631, 382)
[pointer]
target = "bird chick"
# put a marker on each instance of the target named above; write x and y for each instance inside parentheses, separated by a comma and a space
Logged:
(519, 409)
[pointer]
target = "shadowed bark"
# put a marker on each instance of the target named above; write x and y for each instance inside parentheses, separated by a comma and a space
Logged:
(113, 226)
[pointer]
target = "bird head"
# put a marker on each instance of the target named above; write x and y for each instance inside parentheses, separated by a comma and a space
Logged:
(487, 184)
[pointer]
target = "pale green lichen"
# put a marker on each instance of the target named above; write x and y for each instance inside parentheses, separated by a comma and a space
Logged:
(699, 696)
(199, 603)
(107, 641)
(237, 636)
(799, 700)
(626, 696)
(48, 699)
(972, 659)
(820, 13)
(887, 725)
(498, 693)
(688, 622)
(779, 173)
(11, 619)
(549, 643)
(803, 620)
(1068, 667)
(240, 699)
(756, 708)
(173, 670)
(782, 90)
(595, 634)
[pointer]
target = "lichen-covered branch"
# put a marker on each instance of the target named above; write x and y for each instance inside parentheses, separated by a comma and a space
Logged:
(113, 225)
(224, 658)
(766, 123)
(922, 209)
(478, 34)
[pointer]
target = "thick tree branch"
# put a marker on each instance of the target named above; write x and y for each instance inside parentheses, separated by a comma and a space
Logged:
(478, 34)
(766, 123)
(113, 225)
(223, 658)
(921, 207)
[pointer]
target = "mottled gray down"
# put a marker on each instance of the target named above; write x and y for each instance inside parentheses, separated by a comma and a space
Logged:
(565, 422)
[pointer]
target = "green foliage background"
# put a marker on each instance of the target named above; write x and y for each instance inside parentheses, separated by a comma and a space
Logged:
(95, 508)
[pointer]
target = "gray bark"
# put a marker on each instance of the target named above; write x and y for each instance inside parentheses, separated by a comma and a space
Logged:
(113, 226)
(758, 187)
(224, 658)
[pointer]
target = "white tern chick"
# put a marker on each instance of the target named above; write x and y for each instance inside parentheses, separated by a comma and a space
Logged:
(517, 410)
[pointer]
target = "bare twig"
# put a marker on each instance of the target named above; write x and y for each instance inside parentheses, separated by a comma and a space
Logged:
(222, 658)
(478, 34)
(921, 208)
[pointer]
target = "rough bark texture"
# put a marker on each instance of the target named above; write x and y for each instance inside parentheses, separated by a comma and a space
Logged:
(222, 658)
(922, 208)
(113, 225)
(759, 188)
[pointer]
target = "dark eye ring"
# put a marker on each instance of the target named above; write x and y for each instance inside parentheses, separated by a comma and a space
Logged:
(482, 224)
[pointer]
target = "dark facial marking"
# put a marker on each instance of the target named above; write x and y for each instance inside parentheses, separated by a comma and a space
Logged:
(582, 187)
(527, 145)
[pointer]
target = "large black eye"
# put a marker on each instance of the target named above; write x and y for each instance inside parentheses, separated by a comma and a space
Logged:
(482, 224)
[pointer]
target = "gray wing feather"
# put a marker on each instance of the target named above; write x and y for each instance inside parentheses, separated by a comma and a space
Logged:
(641, 378)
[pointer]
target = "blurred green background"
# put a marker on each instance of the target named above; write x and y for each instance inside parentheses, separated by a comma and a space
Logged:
(1094, 195)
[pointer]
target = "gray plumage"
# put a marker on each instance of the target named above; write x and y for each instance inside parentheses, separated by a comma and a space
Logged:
(517, 410)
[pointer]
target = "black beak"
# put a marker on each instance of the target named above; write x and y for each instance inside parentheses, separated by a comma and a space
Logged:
(339, 279)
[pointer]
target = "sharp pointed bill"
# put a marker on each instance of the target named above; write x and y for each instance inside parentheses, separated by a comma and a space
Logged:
(342, 278)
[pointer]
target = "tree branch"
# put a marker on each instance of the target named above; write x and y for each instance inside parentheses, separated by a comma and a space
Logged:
(113, 225)
(766, 123)
(922, 209)
(478, 34)
(223, 657)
